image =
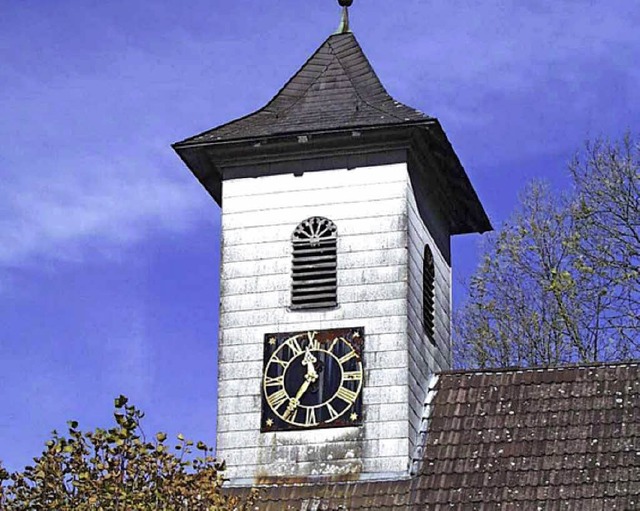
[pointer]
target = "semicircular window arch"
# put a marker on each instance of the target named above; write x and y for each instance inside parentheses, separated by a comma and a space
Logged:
(314, 271)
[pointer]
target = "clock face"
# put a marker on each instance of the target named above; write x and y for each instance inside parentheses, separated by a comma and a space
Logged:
(312, 379)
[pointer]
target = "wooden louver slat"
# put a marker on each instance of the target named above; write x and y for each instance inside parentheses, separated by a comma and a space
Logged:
(314, 265)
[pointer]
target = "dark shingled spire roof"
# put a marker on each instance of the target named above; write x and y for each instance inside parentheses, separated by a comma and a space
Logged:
(335, 89)
(334, 113)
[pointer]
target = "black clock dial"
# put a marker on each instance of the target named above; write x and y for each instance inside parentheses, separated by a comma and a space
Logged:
(312, 379)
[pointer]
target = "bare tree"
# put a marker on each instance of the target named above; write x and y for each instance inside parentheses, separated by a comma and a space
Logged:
(559, 282)
(607, 211)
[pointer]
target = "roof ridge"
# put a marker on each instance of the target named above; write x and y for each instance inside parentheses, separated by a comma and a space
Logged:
(303, 94)
(355, 88)
(396, 478)
(538, 369)
(384, 90)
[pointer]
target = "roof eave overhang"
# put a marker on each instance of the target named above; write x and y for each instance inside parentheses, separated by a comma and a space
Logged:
(300, 152)
(433, 151)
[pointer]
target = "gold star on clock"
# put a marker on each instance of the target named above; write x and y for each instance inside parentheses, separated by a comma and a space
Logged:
(354, 417)
(272, 341)
(356, 335)
(269, 423)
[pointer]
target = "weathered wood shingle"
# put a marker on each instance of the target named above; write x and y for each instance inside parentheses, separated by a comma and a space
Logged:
(335, 89)
(565, 438)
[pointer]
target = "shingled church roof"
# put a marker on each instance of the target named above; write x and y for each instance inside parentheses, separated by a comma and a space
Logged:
(335, 89)
(522, 439)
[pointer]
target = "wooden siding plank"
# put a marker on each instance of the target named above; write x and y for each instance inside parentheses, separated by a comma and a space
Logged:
(346, 294)
(245, 187)
(349, 228)
(382, 332)
(279, 249)
(379, 339)
(294, 215)
(333, 194)
(346, 277)
(349, 260)
(353, 311)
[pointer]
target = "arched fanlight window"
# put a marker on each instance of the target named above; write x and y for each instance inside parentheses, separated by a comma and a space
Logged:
(315, 261)
(428, 293)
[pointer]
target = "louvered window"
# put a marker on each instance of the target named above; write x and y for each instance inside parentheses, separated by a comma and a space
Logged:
(428, 293)
(314, 271)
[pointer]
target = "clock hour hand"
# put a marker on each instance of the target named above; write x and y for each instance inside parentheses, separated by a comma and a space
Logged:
(309, 378)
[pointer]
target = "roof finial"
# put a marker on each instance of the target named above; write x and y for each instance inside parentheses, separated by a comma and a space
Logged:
(344, 22)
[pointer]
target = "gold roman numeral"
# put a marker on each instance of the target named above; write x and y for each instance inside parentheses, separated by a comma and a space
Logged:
(283, 363)
(314, 344)
(311, 417)
(277, 399)
(353, 375)
(332, 411)
(333, 344)
(278, 381)
(348, 396)
(347, 357)
(295, 346)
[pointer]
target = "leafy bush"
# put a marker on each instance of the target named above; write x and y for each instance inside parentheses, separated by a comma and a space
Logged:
(118, 469)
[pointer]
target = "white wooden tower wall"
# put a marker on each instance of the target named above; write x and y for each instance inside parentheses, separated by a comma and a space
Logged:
(425, 357)
(380, 244)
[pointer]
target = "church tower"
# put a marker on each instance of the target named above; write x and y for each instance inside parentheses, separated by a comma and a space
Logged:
(335, 296)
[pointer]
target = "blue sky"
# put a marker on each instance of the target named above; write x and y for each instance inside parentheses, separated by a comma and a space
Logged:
(109, 248)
